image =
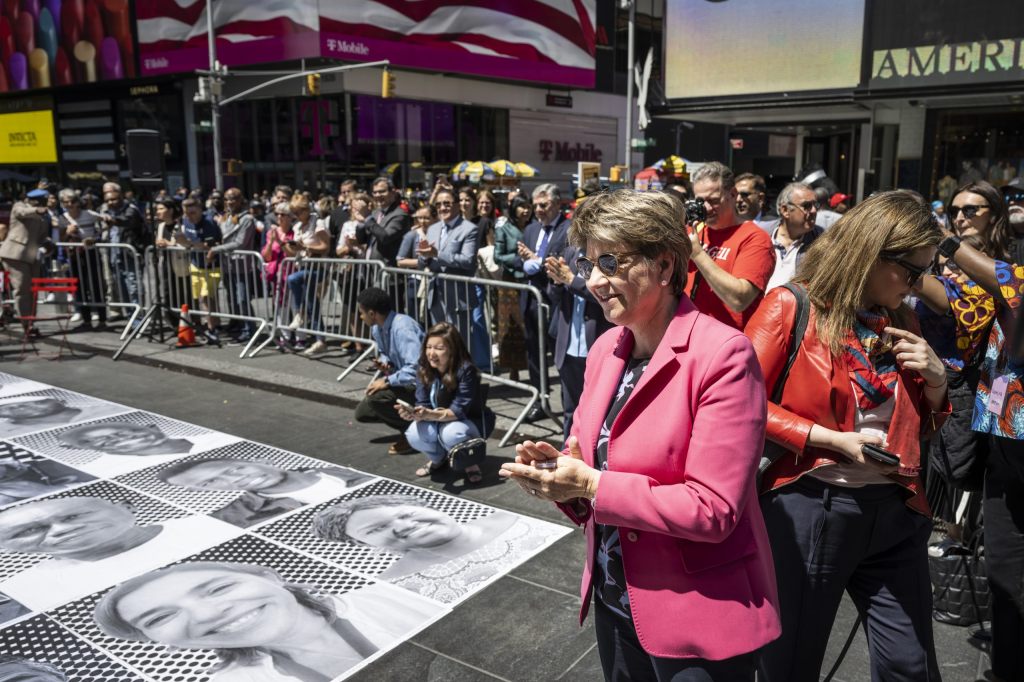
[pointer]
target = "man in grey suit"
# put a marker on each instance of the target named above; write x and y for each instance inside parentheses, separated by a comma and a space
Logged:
(450, 248)
(28, 231)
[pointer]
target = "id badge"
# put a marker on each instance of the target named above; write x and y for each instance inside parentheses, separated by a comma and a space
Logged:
(997, 395)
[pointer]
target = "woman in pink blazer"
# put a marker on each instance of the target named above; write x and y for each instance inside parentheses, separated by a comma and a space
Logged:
(660, 465)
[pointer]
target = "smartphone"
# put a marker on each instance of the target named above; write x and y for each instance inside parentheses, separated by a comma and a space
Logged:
(879, 455)
(404, 404)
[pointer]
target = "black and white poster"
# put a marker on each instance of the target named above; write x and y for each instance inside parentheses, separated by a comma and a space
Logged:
(138, 547)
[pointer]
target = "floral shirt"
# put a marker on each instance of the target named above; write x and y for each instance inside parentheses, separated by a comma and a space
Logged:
(974, 311)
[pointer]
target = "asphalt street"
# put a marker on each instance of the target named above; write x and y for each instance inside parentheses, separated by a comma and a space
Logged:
(522, 627)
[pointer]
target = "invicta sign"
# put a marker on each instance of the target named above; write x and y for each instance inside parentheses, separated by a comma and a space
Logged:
(22, 139)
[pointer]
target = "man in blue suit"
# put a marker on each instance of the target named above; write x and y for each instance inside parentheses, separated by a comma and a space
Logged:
(546, 235)
(450, 248)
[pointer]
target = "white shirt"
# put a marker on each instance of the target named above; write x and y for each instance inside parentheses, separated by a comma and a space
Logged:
(848, 474)
(53, 582)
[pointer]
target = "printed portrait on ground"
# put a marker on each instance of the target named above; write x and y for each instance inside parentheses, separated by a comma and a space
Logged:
(50, 408)
(64, 546)
(246, 483)
(116, 445)
(24, 475)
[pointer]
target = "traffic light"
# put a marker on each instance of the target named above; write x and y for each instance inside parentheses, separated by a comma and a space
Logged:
(387, 84)
(313, 84)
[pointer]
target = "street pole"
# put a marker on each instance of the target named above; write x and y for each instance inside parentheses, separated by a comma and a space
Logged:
(630, 59)
(215, 93)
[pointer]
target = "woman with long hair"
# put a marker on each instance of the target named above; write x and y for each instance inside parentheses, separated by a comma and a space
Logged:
(261, 626)
(863, 381)
(449, 403)
(276, 269)
(977, 208)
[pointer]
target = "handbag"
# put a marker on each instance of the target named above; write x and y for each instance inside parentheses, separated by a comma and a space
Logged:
(773, 451)
(467, 453)
(958, 454)
(960, 592)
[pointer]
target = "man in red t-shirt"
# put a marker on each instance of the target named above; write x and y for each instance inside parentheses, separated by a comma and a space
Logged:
(732, 261)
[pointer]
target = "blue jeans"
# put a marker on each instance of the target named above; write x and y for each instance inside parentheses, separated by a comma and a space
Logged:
(303, 284)
(435, 439)
(480, 338)
(125, 278)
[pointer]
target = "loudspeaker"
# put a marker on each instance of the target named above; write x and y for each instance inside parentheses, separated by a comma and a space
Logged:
(145, 154)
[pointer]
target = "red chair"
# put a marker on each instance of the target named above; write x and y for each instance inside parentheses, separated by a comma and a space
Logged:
(48, 285)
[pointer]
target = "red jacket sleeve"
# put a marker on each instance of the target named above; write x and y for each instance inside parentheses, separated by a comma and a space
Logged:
(770, 330)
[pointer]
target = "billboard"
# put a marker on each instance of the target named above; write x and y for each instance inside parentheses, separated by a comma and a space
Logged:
(173, 36)
(716, 48)
(550, 42)
(46, 43)
(27, 137)
(945, 42)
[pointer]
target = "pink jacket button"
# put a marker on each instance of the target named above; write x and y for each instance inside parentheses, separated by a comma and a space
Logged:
(631, 536)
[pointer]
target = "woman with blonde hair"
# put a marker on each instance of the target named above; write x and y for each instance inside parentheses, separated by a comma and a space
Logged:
(863, 387)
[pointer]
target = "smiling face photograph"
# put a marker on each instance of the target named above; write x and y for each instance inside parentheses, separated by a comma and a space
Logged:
(276, 616)
(81, 543)
(129, 441)
(431, 544)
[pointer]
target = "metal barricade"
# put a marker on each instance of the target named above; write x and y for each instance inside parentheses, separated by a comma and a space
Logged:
(110, 276)
(317, 297)
(463, 301)
(225, 285)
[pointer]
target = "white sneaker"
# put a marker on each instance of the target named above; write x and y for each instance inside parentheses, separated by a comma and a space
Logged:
(95, 317)
(76, 318)
(50, 298)
(318, 348)
(296, 322)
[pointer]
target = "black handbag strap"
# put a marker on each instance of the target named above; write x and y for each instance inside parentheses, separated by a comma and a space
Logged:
(800, 320)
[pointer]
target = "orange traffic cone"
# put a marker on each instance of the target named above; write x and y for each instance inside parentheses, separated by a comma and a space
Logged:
(186, 334)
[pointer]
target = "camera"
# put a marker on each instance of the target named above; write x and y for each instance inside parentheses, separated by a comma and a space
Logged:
(695, 212)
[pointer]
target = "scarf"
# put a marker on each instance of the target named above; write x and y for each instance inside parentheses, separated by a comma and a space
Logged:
(871, 360)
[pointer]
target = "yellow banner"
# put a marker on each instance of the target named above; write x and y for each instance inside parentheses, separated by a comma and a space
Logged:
(27, 137)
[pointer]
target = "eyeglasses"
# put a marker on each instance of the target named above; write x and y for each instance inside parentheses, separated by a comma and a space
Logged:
(1013, 197)
(914, 272)
(969, 211)
(807, 206)
(607, 263)
(443, 203)
(710, 201)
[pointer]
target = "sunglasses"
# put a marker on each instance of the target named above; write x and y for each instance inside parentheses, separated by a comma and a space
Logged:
(443, 203)
(607, 263)
(969, 211)
(746, 195)
(1013, 197)
(807, 206)
(914, 272)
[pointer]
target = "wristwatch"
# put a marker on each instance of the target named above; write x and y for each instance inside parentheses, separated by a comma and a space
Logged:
(948, 246)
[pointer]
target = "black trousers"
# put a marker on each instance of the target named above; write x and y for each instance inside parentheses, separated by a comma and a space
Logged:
(380, 407)
(624, 660)
(571, 375)
(1003, 507)
(827, 540)
(533, 360)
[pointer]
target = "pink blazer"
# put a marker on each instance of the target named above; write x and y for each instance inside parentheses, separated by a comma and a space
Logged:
(682, 458)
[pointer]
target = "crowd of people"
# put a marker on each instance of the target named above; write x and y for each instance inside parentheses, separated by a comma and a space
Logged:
(838, 376)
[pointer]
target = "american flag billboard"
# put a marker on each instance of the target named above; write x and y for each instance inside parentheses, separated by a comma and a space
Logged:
(548, 41)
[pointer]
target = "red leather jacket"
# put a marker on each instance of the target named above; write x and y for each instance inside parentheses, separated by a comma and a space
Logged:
(818, 391)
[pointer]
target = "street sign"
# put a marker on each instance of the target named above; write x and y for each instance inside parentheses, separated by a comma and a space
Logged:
(564, 101)
(643, 143)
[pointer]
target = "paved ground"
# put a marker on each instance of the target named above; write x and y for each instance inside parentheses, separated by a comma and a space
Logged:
(520, 628)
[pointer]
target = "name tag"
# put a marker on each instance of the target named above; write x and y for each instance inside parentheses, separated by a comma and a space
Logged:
(997, 395)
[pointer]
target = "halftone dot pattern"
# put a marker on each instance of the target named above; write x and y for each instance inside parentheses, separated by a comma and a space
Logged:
(42, 640)
(206, 501)
(92, 408)
(148, 510)
(296, 530)
(163, 663)
(49, 442)
(13, 385)
(12, 451)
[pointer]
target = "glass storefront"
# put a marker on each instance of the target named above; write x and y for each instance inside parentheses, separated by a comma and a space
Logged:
(976, 144)
(297, 141)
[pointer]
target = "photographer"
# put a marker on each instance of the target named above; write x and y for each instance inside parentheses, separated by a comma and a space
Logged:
(27, 237)
(124, 224)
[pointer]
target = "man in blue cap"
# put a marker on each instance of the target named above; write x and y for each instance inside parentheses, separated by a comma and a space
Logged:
(27, 236)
